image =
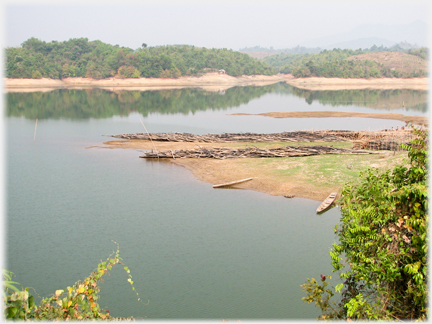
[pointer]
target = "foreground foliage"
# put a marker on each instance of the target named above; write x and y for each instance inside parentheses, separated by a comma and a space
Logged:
(77, 302)
(382, 249)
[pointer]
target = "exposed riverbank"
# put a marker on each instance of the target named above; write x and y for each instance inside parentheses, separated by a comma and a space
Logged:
(312, 177)
(210, 81)
(318, 83)
(417, 120)
(213, 82)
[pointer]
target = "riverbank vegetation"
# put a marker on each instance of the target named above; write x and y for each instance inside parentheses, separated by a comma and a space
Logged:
(80, 57)
(76, 302)
(382, 250)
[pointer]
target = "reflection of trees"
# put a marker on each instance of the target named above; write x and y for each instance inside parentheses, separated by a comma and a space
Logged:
(378, 99)
(97, 103)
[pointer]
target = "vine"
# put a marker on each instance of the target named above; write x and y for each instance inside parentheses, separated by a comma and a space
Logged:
(76, 302)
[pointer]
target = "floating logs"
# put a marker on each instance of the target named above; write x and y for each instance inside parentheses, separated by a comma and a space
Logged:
(250, 152)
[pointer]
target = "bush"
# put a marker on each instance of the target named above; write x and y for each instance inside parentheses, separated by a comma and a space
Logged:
(382, 249)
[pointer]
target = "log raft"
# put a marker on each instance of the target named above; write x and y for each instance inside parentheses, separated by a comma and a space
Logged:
(250, 152)
(373, 140)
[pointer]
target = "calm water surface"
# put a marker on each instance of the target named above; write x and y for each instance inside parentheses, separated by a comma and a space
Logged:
(194, 251)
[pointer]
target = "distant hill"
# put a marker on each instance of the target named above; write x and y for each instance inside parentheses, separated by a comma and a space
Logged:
(405, 64)
(348, 63)
(259, 55)
(362, 43)
(386, 35)
(271, 50)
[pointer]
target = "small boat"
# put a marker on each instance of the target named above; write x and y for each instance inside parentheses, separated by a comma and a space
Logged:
(231, 183)
(327, 202)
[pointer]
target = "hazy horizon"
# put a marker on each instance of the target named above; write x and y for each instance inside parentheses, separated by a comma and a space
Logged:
(233, 25)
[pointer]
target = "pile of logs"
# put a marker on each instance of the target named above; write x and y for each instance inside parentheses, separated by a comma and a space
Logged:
(379, 145)
(249, 152)
(300, 136)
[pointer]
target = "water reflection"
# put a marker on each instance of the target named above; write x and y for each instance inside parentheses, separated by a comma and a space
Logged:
(97, 103)
(414, 100)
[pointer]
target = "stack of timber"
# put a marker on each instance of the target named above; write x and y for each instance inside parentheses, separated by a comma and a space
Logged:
(298, 136)
(379, 145)
(250, 152)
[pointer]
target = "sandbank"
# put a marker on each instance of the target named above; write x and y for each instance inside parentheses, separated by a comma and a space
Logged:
(295, 176)
(418, 120)
(319, 83)
(209, 81)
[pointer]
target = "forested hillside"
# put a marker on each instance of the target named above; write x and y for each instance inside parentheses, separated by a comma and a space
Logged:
(353, 63)
(80, 57)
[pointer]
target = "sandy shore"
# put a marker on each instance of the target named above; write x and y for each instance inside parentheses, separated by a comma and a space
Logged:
(209, 81)
(213, 82)
(316, 83)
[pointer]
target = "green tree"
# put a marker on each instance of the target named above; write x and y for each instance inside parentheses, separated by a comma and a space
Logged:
(36, 75)
(382, 249)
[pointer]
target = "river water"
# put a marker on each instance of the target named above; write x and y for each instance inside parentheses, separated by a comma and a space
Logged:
(194, 252)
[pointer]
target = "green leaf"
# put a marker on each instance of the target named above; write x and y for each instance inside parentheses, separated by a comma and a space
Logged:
(11, 312)
(31, 302)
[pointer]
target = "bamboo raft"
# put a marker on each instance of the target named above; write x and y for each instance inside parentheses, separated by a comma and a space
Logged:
(373, 140)
(249, 152)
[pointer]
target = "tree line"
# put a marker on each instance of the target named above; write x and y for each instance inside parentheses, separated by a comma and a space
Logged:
(335, 63)
(80, 57)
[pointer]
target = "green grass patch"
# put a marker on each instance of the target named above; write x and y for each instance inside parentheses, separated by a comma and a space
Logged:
(323, 171)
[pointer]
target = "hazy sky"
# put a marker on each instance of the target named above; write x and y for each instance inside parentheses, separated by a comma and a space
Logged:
(231, 24)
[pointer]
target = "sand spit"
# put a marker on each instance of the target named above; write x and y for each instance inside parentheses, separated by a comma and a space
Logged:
(418, 120)
(298, 176)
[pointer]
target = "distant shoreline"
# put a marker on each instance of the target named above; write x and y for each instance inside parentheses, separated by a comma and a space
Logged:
(213, 82)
